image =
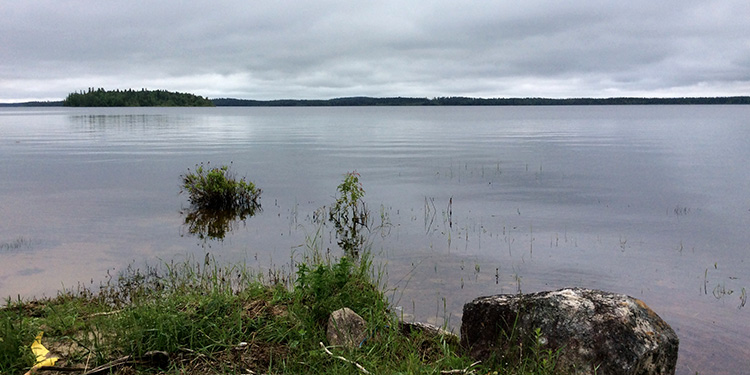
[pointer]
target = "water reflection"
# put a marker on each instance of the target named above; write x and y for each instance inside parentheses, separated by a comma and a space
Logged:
(209, 224)
(650, 201)
(102, 121)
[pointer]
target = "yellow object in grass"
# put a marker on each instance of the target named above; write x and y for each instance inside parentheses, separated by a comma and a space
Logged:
(41, 353)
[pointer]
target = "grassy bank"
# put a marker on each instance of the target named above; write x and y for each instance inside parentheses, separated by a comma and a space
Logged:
(197, 317)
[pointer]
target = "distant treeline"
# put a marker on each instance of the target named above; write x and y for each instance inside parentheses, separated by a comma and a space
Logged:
(134, 98)
(157, 98)
(57, 103)
(465, 101)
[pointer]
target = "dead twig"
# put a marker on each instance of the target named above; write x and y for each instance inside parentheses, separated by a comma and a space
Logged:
(153, 357)
(459, 371)
(344, 359)
(102, 314)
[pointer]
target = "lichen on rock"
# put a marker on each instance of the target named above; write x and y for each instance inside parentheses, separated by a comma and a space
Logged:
(594, 331)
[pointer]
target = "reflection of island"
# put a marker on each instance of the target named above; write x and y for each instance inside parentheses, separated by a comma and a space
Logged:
(211, 224)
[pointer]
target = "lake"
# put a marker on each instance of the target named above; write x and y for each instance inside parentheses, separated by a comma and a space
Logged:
(650, 201)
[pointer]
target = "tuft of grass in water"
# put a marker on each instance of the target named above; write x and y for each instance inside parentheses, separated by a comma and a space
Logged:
(217, 188)
(19, 242)
(217, 200)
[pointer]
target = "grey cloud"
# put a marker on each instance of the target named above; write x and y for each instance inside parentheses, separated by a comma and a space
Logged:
(286, 49)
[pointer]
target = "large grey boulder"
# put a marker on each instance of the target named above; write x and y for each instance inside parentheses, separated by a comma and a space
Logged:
(595, 331)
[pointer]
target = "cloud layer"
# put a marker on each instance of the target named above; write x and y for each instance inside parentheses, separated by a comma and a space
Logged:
(325, 49)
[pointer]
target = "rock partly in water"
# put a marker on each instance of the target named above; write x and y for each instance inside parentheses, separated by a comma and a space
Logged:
(346, 328)
(593, 331)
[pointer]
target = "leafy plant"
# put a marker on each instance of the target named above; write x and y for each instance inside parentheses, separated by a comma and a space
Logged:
(349, 214)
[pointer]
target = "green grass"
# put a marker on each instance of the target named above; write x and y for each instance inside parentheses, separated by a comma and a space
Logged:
(211, 319)
(13, 335)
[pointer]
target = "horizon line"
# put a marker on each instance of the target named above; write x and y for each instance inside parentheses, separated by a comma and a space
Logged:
(435, 98)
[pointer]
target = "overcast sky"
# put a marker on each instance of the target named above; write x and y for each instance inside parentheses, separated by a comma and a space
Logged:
(325, 49)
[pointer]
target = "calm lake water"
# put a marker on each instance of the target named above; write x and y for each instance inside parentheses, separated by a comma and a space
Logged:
(650, 201)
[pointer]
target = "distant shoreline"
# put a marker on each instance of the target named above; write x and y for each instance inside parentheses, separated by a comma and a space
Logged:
(363, 101)
(466, 101)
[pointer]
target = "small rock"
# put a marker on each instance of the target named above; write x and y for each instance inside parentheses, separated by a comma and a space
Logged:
(346, 328)
(595, 332)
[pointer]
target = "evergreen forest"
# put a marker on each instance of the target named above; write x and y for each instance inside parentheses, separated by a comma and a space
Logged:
(134, 98)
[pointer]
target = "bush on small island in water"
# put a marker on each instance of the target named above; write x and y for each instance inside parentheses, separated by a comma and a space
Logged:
(217, 200)
(217, 189)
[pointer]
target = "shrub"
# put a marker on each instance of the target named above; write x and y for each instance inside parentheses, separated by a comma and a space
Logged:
(218, 189)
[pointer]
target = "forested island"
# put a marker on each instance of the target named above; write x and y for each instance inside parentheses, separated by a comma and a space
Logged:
(134, 98)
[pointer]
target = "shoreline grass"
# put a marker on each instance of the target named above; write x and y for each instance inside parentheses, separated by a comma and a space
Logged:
(197, 317)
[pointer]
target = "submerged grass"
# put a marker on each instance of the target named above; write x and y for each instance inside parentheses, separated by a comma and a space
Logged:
(202, 318)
